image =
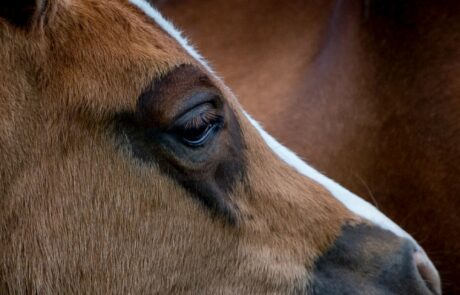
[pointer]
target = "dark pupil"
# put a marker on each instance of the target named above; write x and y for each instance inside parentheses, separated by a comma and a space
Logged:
(195, 134)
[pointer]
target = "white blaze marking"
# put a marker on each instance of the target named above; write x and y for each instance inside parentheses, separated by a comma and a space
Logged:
(170, 29)
(350, 200)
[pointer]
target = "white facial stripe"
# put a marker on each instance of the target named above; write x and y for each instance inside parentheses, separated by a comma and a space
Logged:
(350, 200)
(170, 29)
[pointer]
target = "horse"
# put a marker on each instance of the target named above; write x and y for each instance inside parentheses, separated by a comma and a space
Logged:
(129, 167)
(365, 90)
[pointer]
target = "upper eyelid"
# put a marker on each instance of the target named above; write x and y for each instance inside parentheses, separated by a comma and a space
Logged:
(198, 100)
(185, 118)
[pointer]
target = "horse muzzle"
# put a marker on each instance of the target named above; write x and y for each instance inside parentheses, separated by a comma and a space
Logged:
(366, 259)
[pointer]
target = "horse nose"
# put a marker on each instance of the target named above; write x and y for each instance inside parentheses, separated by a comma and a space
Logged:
(427, 271)
(366, 259)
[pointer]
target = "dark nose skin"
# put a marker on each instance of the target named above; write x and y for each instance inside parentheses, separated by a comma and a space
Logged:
(366, 259)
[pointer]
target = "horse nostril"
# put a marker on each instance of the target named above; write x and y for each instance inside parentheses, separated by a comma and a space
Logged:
(427, 271)
(366, 259)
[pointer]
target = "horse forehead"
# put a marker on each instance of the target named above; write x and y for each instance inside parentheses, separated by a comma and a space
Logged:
(169, 28)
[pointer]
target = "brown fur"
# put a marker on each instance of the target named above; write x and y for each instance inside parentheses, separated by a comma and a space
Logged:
(367, 91)
(79, 215)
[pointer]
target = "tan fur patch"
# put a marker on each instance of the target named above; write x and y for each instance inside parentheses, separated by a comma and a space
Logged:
(79, 215)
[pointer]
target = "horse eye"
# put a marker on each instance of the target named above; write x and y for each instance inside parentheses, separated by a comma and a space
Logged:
(198, 136)
(199, 125)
